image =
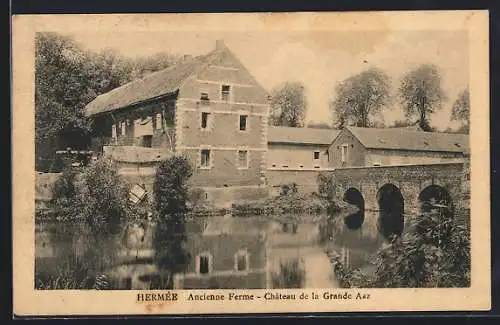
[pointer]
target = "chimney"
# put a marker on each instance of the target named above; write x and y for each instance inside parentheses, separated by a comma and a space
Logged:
(219, 44)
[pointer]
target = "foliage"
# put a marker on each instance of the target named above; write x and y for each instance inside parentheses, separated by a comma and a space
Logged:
(103, 197)
(318, 125)
(289, 203)
(291, 275)
(67, 77)
(288, 105)
(64, 189)
(434, 253)
(197, 202)
(460, 111)
(421, 93)
(97, 198)
(171, 195)
(288, 189)
(360, 98)
(95, 204)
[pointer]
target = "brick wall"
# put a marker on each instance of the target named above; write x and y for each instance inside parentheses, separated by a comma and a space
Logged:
(223, 136)
(224, 170)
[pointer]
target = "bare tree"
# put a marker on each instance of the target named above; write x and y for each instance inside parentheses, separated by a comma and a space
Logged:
(460, 110)
(421, 93)
(288, 105)
(360, 98)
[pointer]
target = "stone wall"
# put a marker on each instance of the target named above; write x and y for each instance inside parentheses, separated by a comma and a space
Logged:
(306, 180)
(411, 180)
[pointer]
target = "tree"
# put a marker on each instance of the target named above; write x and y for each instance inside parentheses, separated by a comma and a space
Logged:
(94, 206)
(288, 105)
(67, 78)
(421, 93)
(142, 66)
(60, 85)
(401, 124)
(434, 253)
(360, 98)
(318, 125)
(171, 195)
(460, 111)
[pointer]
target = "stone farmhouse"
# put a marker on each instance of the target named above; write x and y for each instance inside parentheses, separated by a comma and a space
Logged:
(208, 108)
(357, 147)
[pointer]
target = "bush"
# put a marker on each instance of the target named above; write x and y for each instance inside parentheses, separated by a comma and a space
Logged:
(435, 252)
(171, 195)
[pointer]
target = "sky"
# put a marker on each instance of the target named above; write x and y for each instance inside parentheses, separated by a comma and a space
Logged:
(318, 59)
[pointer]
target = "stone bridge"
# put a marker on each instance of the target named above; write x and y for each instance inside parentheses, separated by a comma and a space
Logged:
(389, 196)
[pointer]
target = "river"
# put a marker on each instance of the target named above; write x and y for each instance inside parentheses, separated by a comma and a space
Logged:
(64, 257)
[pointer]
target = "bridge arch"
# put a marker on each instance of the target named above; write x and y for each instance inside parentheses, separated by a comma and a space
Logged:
(355, 220)
(435, 197)
(391, 210)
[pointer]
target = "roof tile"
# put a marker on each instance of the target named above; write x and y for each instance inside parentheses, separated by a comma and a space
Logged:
(404, 139)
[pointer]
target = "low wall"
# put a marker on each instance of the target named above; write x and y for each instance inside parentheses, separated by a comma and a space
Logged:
(306, 179)
(223, 197)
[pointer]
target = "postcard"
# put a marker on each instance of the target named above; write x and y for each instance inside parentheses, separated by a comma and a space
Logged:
(171, 164)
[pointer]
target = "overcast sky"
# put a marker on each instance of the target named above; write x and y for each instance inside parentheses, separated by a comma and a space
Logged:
(318, 59)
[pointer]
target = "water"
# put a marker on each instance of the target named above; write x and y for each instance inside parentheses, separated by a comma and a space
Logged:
(67, 258)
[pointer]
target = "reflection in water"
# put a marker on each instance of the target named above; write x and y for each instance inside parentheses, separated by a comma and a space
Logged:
(66, 257)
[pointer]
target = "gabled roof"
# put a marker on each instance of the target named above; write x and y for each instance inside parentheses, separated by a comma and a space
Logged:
(153, 85)
(281, 134)
(404, 139)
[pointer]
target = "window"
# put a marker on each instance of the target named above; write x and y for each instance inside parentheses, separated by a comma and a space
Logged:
(242, 159)
(243, 122)
(204, 263)
(316, 155)
(344, 152)
(123, 127)
(204, 120)
(158, 121)
(205, 158)
(225, 92)
(113, 131)
(147, 141)
(204, 96)
(241, 260)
